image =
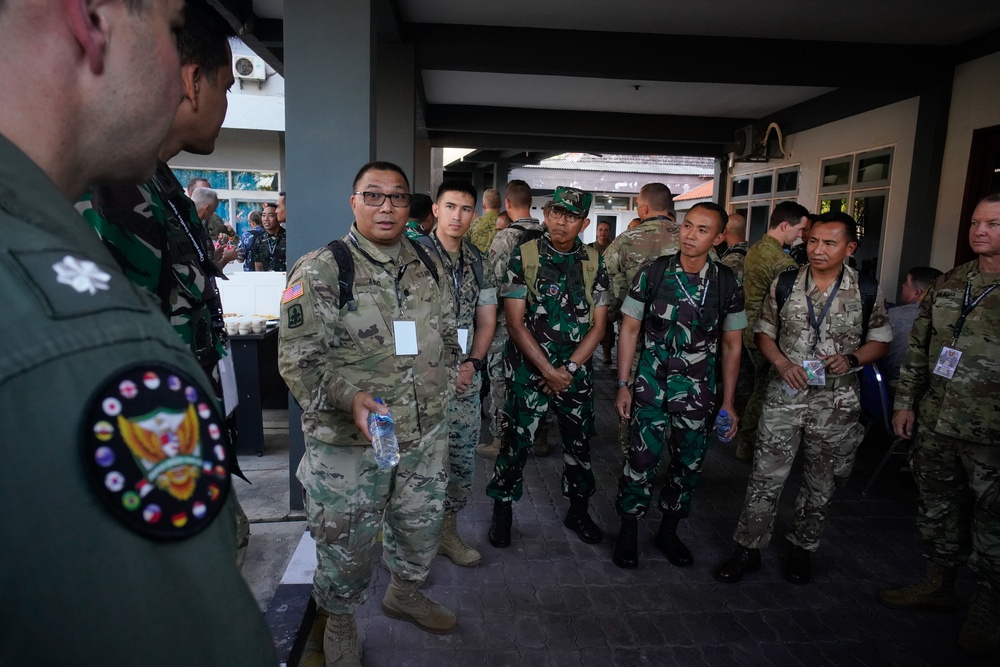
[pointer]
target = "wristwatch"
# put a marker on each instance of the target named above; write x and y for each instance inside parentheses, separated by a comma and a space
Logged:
(852, 360)
(572, 367)
(476, 363)
(621, 383)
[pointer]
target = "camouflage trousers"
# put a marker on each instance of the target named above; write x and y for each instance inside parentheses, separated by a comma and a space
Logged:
(827, 421)
(762, 376)
(498, 386)
(242, 532)
(464, 424)
(352, 499)
(652, 430)
(959, 513)
(525, 408)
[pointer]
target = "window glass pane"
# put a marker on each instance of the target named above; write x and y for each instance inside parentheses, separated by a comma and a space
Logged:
(217, 178)
(243, 209)
(827, 205)
(869, 212)
(836, 172)
(223, 211)
(742, 210)
(762, 184)
(874, 168)
(759, 216)
(611, 203)
(741, 187)
(788, 181)
(261, 181)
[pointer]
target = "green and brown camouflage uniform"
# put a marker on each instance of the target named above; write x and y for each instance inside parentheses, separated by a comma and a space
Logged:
(327, 354)
(558, 320)
(483, 230)
(674, 397)
(826, 417)
(958, 423)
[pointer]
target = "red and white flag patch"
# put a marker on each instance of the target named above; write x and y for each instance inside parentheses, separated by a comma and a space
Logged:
(292, 293)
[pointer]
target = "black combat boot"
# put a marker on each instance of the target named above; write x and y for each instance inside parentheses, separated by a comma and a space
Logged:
(798, 566)
(627, 545)
(742, 561)
(580, 522)
(503, 516)
(666, 540)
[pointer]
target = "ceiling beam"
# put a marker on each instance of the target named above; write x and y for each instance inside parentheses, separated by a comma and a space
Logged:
(265, 37)
(558, 144)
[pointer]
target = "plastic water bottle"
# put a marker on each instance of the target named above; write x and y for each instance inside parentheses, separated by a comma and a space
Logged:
(722, 425)
(384, 441)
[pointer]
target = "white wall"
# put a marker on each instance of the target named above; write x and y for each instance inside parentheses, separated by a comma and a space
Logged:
(238, 149)
(975, 103)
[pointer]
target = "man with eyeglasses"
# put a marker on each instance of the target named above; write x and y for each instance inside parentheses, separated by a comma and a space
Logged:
(388, 335)
(269, 251)
(555, 297)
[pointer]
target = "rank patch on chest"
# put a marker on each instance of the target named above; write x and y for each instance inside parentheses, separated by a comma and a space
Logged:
(155, 450)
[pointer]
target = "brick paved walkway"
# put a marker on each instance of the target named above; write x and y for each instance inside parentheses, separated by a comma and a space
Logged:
(550, 599)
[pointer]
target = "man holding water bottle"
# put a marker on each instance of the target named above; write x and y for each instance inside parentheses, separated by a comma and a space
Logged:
(681, 308)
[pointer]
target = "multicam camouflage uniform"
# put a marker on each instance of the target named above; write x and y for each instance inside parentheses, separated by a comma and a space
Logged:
(958, 429)
(483, 230)
(558, 320)
(675, 386)
(270, 251)
(826, 417)
(764, 261)
(464, 420)
(734, 257)
(495, 264)
(327, 354)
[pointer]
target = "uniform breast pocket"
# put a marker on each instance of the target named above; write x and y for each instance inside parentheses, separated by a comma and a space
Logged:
(846, 327)
(367, 327)
(662, 316)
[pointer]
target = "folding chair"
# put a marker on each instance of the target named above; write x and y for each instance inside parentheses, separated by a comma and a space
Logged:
(875, 408)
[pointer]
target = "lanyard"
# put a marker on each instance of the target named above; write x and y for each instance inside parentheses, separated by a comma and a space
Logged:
(813, 320)
(967, 308)
(690, 299)
(456, 276)
(400, 270)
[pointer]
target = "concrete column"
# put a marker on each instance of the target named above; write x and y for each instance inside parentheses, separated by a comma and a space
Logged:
(422, 166)
(395, 106)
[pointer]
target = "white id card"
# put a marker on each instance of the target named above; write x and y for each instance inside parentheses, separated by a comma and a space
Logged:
(463, 340)
(815, 372)
(405, 333)
(227, 375)
(947, 362)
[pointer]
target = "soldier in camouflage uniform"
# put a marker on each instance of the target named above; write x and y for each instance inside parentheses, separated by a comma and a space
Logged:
(476, 303)
(336, 360)
(949, 386)
(815, 345)
(764, 261)
(153, 229)
(555, 325)
(269, 252)
(519, 208)
(655, 235)
(484, 228)
(736, 245)
(684, 321)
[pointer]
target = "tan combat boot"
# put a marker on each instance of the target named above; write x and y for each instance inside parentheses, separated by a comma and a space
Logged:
(340, 642)
(936, 590)
(489, 450)
(452, 545)
(980, 636)
(405, 602)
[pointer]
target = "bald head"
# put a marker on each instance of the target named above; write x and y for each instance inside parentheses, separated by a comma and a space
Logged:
(736, 229)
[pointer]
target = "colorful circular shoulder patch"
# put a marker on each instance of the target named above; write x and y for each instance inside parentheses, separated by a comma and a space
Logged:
(155, 449)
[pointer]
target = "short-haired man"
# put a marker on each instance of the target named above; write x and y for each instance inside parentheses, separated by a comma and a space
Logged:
(484, 228)
(269, 252)
(736, 245)
(687, 309)
(950, 387)
(800, 251)
(476, 304)
(336, 361)
(918, 281)
(555, 298)
(421, 220)
(816, 342)
(213, 222)
(244, 249)
(764, 261)
(132, 539)
(518, 203)
(600, 245)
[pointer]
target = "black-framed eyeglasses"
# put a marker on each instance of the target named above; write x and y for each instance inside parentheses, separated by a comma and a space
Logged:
(559, 212)
(398, 199)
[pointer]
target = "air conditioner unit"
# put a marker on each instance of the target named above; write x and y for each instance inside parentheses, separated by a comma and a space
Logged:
(249, 67)
(748, 145)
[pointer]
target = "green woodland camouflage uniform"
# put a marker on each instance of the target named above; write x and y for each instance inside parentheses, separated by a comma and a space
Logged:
(141, 225)
(826, 417)
(483, 230)
(413, 229)
(558, 320)
(464, 416)
(764, 261)
(958, 422)
(270, 250)
(327, 354)
(495, 264)
(675, 386)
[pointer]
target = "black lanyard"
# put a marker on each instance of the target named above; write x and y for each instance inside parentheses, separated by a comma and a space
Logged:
(813, 320)
(967, 308)
(400, 270)
(687, 295)
(456, 276)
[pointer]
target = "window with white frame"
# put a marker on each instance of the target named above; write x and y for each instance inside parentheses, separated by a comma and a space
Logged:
(240, 191)
(755, 195)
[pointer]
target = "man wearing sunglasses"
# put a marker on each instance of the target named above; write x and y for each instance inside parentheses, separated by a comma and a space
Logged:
(388, 334)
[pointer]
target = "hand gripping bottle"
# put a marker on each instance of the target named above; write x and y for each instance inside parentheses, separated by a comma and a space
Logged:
(722, 425)
(383, 438)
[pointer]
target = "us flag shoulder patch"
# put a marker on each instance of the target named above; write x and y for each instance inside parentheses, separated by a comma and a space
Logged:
(292, 293)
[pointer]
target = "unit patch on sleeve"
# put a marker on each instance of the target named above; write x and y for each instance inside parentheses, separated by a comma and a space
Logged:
(155, 449)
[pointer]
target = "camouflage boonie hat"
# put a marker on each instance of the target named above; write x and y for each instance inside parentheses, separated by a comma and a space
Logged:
(573, 200)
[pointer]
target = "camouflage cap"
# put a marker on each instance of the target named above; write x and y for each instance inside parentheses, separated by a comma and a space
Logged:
(573, 200)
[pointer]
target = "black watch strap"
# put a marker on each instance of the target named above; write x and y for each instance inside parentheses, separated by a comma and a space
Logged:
(476, 363)
(852, 360)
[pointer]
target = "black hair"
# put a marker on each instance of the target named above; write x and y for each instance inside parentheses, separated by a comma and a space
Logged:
(787, 211)
(204, 39)
(455, 185)
(714, 208)
(850, 226)
(923, 277)
(380, 165)
(420, 206)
